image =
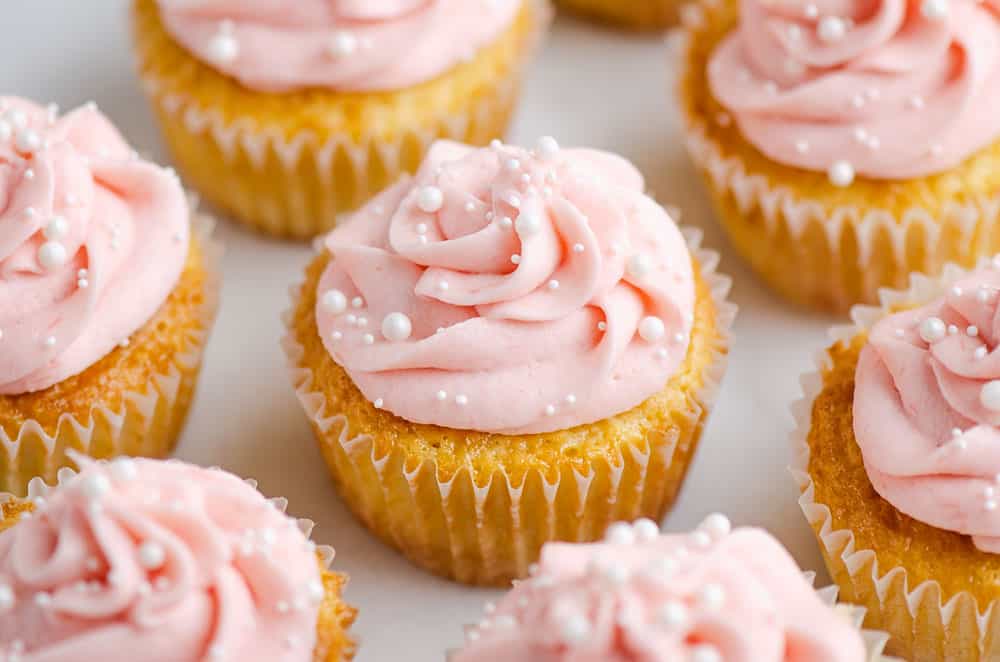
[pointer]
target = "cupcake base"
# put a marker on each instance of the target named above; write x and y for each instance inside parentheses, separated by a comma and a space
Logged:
(931, 590)
(291, 164)
(477, 507)
(632, 14)
(817, 244)
(134, 401)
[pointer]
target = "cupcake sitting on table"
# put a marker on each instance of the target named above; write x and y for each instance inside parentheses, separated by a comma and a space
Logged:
(288, 114)
(636, 14)
(108, 289)
(511, 347)
(847, 144)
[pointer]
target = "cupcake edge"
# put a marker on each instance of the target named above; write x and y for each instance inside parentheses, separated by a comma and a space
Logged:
(39, 488)
(242, 140)
(888, 588)
(785, 212)
(314, 404)
(139, 413)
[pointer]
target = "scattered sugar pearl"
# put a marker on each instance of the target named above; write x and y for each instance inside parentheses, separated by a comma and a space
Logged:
(831, 29)
(841, 174)
(932, 329)
(712, 597)
(461, 399)
(124, 469)
(576, 629)
(368, 339)
(421, 228)
(513, 165)
(351, 320)
(52, 255)
(216, 652)
(43, 599)
(646, 530)
(6, 598)
(49, 342)
(701, 539)
(982, 295)
(95, 485)
(56, 228)
(357, 302)
(639, 266)
(16, 118)
(152, 555)
(430, 199)
(980, 353)
(443, 285)
(705, 653)
(528, 224)
(620, 533)
(673, 615)
(506, 223)
(334, 302)
(952, 330)
(553, 284)
(6, 131)
(935, 10)
(578, 248)
(570, 399)
(661, 353)
(916, 102)
(396, 327)
(223, 47)
(802, 146)
(27, 141)
(441, 395)
(957, 291)
(29, 174)
(515, 259)
(990, 505)
(550, 410)
(342, 44)
(717, 525)
(379, 402)
(548, 148)
(651, 329)
(989, 396)
(972, 331)
(602, 326)
(812, 11)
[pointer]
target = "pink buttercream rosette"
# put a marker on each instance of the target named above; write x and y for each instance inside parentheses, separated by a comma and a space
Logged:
(709, 596)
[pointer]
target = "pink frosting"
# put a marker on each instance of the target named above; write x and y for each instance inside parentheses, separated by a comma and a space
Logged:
(640, 597)
(92, 241)
(543, 290)
(926, 410)
(894, 88)
(346, 45)
(160, 562)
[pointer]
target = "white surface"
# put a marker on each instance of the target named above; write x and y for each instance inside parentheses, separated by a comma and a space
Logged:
(591, 87)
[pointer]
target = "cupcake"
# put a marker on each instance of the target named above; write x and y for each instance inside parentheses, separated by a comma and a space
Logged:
(288, 115)
(899, 467)
(636, 14)
(164, 562)
(107, 293)
(846, 145)
(511, 347)
(709, 596)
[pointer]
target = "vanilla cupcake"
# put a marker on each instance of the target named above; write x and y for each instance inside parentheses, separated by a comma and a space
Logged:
(709, 596)
(288, 115)
(900, 469)
(636, 14)
(846, 145)
(511, 347)
(107, 294)
(164, 562)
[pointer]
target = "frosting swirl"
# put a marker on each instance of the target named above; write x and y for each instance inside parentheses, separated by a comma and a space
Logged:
(927, 410)
(891, 89)
(640, 597)
(345, 45)
(92, 241)
(509, 291)
(157, 561)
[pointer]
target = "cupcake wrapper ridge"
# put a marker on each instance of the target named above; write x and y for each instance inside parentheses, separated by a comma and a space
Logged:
(145, 424)
(913, 614)
(403, 503)
(306, 162)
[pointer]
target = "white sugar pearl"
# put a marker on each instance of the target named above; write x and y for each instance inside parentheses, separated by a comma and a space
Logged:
(553, 284)
(56, 228)
(343, 44)
(396, 327)
(717, 525)
(334, 302)
(357, 302)
(52, 255)
(712, 597)
(515, 259)
(16, 118)
(639, 266)
(831, 28)
(935, 10)
(575, 629)
(223, 48)
(28, 141)
(811, 11)
(673, 615)
(379, 402)
(152, 556)
(646, 530)
(932, 329)
(528, 224)
(550, 410)
(441, 395)
(570, 399)
(652, 329)
(461, 400)
(578, 248)
(6, 598)
(989, 396)
(124, 469)
(6, 130)
(620, 533)
(316, 592)
(430, 199)
(841, 174)
(95, 485)
(547, 147)
(368, 339)
(705, 653)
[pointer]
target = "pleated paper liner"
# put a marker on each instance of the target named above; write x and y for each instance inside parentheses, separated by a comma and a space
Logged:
(285, 180)
(819, 253)
(924, 623)
(485, 525)
(633, 14)
(333, 643)
(875, 642)
(146, 422)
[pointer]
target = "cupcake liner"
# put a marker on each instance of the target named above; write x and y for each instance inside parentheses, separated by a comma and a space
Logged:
(912, 614)
(301, 184)
(829, 257)
(875, 642)
(489, 529)
(146, 423)
(635, 14)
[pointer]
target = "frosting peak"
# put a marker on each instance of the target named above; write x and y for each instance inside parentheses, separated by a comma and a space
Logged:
(927, 410)
(893, 88)
(157, 561)
(640, 597)
(509, 291)
(346, 45)
(92, 241)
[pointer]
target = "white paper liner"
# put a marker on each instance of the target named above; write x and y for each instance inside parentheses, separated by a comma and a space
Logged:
(137, 411)
(875, 642)
(264, 146)
(926, 600)
(523, 535)
(787, 214)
